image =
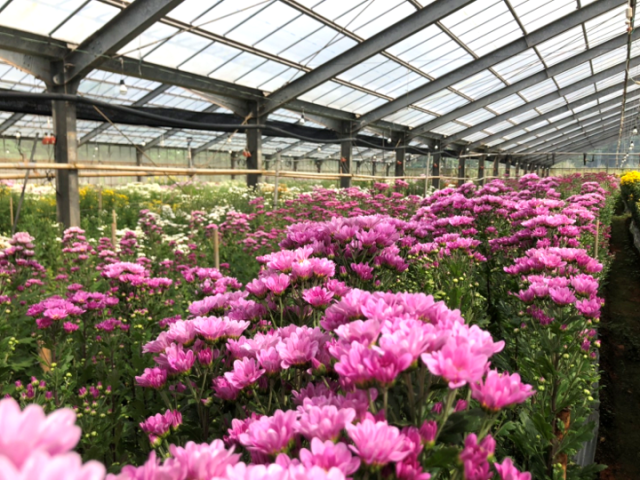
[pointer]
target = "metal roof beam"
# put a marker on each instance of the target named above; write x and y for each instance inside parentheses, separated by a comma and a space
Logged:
(37, 66)
(557, 111)
(357, 54)
(114, 35)
(530, 81)
(574, 87)
(174, 131)
(11, 121)
(41, 45)
(211, 143)
(516, 47)
(143, 101)
(585, 131)
(567, 123)
(31, 43)
(561, 146)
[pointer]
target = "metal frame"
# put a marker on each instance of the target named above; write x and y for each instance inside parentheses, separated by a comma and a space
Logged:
(516, 47)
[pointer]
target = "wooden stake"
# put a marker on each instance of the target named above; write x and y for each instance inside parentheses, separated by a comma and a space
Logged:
(216, 249)
(597, 235)
(114, 226)
(11, 210)
(565, 417)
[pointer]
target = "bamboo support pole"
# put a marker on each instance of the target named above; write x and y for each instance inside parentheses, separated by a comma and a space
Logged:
(114, 227)
(216, 248)
(276, 182)
(597, 236)
(11, 211)
(100, 199)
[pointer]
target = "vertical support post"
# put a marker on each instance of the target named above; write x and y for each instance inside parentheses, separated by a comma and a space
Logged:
(254, 162)
(496, 166)
(374, 167)
(400, 159)
(276, 182)
(507, 167)
(295, 164)
(346, 160)
(232, 158)
(139, 163)
(114, 227)
(517, 174)
(435, 171)
(462, 163)
(481, 170)
(66, 151)
(216, 247)
(11, 211)
(426, 174)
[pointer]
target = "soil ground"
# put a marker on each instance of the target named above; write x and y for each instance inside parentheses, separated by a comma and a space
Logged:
(619, 436)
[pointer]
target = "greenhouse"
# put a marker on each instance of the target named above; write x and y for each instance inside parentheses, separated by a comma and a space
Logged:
(319, 239)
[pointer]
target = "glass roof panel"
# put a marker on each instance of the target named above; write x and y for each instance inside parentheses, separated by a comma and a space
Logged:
(442, 102)
(262, 25)
(562, 46)
(539, 90)
(237, 67)
(262, 74)
(606, 26)
(498, 127)
(536, 13)
(617, 94)
(227, 15)
(476, 117)
(278, 81)
(378, 16)
(410, 117)
(209, 59)
(38, 16)
(151, 39)
(479, 85)
(319, 47)
(609, 59)
(365, 103)
(432, 51)
(89, 19)
(611, 81)
(449, 128)
(523, 117)
(190, 10)
(484, 25)
(585, 106)
(560, 116)
(506, 104)
(476, 137)
(571, 76)
(402, 85)
(583, 92)
(520, 66)
(287, 35)
(175, 51)
(552, 105)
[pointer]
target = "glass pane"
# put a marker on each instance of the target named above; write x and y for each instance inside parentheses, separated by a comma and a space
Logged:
(38, 16)
(89, 19)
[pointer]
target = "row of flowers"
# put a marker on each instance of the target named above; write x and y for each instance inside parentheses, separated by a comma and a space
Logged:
(331, 363)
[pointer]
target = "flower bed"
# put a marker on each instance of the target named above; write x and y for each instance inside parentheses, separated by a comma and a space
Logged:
(454, 337)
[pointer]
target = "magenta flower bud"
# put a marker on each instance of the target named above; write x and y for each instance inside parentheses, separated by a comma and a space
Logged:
(428, 432)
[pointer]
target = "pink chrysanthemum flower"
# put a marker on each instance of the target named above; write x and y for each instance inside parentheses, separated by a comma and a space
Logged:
(271, 435)
(378, 443)
(324, 423)
(500, 390)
